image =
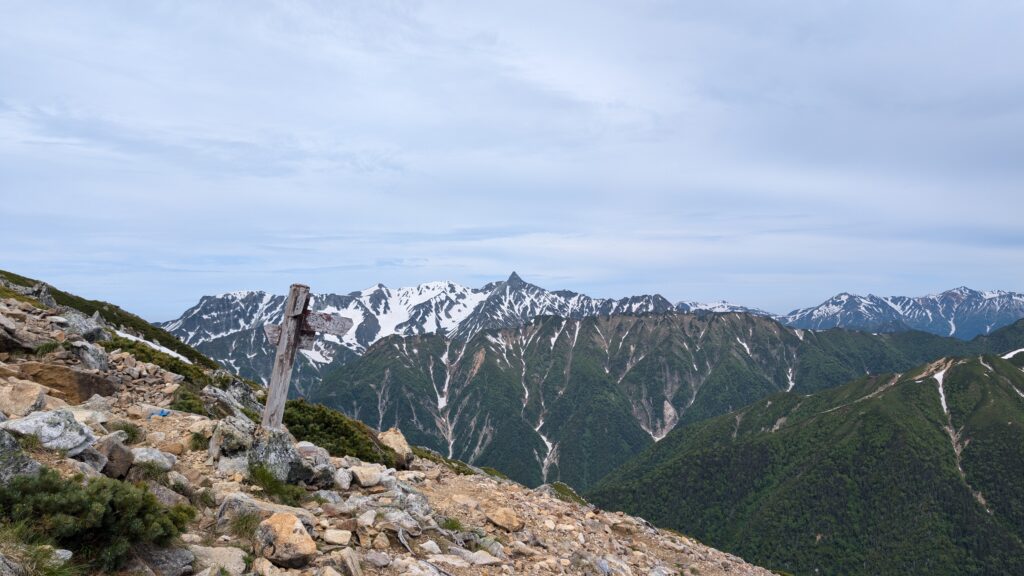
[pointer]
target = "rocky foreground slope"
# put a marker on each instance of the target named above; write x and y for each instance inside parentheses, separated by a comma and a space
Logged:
(263, 502)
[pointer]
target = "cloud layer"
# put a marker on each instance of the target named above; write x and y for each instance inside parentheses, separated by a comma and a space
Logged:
(770, 153)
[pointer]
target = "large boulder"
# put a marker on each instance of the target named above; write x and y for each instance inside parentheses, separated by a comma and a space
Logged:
(394, 439)
(230, 560)
(275, 451)
(119, 457)
(313, 467)
(90, 355)
(231, 437)
(70, 384)
(161, 460)
(239, 504)
(20, 397)
(13, 461)
(165, 561)
(283, 540)
(57, 430)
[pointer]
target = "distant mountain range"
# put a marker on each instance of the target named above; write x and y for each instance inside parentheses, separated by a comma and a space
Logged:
(228, 327)
(961, 312)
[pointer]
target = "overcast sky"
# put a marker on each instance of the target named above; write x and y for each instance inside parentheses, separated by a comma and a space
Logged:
(768, 153)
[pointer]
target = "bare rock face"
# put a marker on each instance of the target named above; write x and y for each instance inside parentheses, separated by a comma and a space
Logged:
(57, 430)
(72, 385)
(283, 540)
(394, 439)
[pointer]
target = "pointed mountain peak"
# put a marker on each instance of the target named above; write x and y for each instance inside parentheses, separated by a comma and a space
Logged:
(514, 280)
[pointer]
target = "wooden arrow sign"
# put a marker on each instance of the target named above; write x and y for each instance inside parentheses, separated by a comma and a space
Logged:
(297, 331)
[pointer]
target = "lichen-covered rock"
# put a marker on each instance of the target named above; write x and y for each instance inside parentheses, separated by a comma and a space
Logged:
(119, 457)
(275, 451)
(283, 540)
(57, 430)
(13, 461)
(313, 467)
(231, 436)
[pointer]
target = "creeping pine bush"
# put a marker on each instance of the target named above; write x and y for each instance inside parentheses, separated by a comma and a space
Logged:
(335, 432)
(98, 521)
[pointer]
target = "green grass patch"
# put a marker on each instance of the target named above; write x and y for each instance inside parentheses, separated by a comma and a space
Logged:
(335, 432)
(244, 526)
(276, 490)
(452, 524)
(47, 347)
(99, 519)
(133, 432)
(30, 442)
(198, 442)
(33, 553)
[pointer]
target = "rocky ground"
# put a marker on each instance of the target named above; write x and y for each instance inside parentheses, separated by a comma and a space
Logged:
(75, 397)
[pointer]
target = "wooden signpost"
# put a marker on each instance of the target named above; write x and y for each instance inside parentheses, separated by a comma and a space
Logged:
(297, 331)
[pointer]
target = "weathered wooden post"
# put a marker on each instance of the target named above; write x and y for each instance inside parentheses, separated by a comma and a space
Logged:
(297, 331)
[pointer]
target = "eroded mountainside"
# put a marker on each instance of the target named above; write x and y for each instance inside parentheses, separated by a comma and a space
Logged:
(920, 472)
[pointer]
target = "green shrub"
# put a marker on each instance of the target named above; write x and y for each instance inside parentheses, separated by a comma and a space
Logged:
(133, 431)
(186, 400)
(276, 490)
(198, 442)
(47, 347)
(251, 415)
(203, 498)
(99, 521)
(335, 432)
(452, 524)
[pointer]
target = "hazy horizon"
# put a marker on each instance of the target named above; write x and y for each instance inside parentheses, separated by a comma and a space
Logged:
(771, 154)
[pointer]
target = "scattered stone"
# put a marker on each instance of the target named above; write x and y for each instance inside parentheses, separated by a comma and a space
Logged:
(119, 457)
(283, 540)
(381, 542)
(377, 558)
(366, 476)
(57, 430)
(506, 519)
(337, 537)
(430, 547)
(343, 479)
(350, 560)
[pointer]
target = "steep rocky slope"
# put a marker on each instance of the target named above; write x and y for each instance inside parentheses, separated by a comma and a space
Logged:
(265, 503)
(913, 473)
